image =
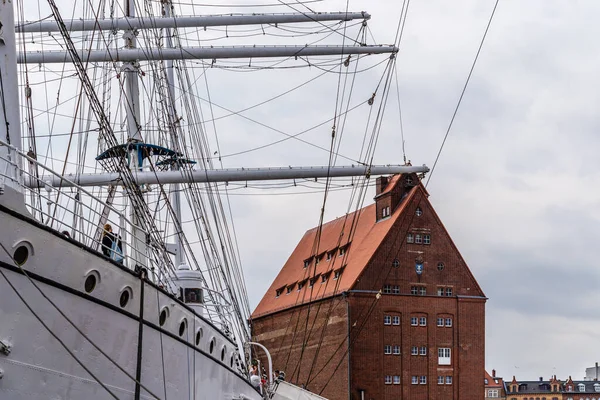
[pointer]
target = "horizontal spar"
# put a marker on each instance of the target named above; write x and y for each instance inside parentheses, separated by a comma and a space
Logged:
(198, 53)
(77, 25)
(225, 175)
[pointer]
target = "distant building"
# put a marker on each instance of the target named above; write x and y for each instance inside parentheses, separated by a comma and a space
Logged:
(592, 373)
(494, 386)
(553, 389)
(378, 304)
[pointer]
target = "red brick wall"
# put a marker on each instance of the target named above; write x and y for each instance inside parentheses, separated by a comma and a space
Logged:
(285, 332)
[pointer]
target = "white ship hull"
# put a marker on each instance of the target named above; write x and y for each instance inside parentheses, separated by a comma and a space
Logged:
(170, 366)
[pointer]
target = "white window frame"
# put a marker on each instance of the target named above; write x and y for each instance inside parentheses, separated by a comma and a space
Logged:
(387, 289)
(396, 350)
(440, 380)
(423, 380)
(492, 393)
(422, 321)
(395, 289)
(410, 238)
(418, 239)
(440, 322)
(427, 239)
(396, 320)
(423, 350)
(396, 379)
(387, 320)
(415, 380)
(414, 321)
(448, 380)
(440, 291)
(422, 291)
(581, 387)
(385, 212)
(414, 351)
(388, 379)
(387, 349)
(448, 322)
(444, 356)
(449, 292)
(414, 290)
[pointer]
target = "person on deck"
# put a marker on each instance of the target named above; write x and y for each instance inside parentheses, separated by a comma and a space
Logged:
(107, 240)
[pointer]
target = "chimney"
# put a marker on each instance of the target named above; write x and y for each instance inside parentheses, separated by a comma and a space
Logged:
(493, 373)
(380, 184)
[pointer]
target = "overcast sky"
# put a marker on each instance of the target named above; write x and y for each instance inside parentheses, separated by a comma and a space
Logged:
(517, 182)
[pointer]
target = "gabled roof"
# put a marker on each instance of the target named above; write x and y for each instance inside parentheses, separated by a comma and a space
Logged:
(362, 244)
(493, 382)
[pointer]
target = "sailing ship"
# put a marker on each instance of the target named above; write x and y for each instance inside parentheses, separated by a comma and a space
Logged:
(119, 275)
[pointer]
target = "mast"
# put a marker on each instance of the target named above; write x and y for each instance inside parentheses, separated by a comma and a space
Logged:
(178, 248)
(10, 130)
(134, 134)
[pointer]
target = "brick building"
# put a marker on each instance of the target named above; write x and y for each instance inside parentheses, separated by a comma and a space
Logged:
(552, 389)
(378, 304)
(494, 386)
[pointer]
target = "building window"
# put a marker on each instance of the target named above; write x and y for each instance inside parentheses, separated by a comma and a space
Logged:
(396, 263)
(289, 289)
(423, 380)
(301, 285)
(388, 379)
(423, 321)
(323, 278)
(448, 322)
(396, 289)
(387, 320)
(440, 380)
(409, 180)
(329, 255)
(306, 263)
(342, 250)
(387, 289)
(385, 212)
(426, 239)
(440, 322)
(396, 379)
(448, 380)
(387, 349)
(396, 350)
(444, 356)
(414, 321)
(278, 292)
(440, 266)
(415, 380)
(418, 290)
(336, 275)
(396, 320)
(410, 238)
(312, 282)
(597, 387)
(423, 351)
(449, 292)
(492, 393)
(419, 212)
(444, 291)
(414, 351)
(581, 387)
(418, 239)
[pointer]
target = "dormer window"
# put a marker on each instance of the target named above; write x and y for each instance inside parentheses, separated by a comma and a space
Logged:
(596, 387)
(385, 212)
(301, 285)
(317, 259)
(336, 274)
(343, 250)
(278, 292)
(581, 387)
(324, 278)
(312, 282)
(290, 288)
(329, 255)
(306, 263)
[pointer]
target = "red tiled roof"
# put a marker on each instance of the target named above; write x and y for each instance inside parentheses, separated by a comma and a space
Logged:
(492, 381)
(364, 242)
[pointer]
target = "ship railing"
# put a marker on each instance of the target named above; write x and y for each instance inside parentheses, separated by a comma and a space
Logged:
(76, 212)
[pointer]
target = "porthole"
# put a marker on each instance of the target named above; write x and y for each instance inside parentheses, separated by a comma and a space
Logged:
(223, 351)
(440, 266)
(211, 347)
(125, 297)
(90, 283)
(396, 263)
(164, 314)
(21, 255)
(198, 337)
(419, 212)
(182, 327)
